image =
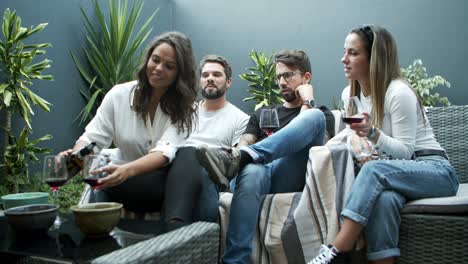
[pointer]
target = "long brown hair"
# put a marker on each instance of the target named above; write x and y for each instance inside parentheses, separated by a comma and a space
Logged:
(383, 67)
(178, 100)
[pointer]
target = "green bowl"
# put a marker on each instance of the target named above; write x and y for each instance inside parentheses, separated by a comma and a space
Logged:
(27, 198)
(97, 219)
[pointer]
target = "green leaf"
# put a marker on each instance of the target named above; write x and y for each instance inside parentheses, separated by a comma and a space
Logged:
(5, 23)
(261, 79)
(7, 96)
(39, 101)
(3, 87)
(23, 138)
(417, 76)
(43, 138)
(81, 69)
(21, 33)
(89, 106)
(39, 28)
(111, 50)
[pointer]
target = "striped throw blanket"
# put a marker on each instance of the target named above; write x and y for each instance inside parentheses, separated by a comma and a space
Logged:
(292, 226)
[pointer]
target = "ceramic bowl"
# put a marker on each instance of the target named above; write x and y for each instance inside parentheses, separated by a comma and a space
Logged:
(97, 219)
(20, 199)
(33, 217)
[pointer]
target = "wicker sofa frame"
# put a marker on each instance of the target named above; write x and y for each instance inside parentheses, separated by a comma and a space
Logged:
(427, 238)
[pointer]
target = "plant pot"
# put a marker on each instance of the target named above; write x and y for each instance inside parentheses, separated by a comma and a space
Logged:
(97, 219)
(27, 198)
(28, 218)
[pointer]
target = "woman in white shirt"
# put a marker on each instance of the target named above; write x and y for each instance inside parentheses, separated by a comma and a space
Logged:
(397, 126)
(146, 120)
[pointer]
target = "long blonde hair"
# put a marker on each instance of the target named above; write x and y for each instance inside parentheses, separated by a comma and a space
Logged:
(383, 67)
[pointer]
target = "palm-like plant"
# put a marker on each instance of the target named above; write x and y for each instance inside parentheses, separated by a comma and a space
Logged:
(262, 84)
(19, 152)
(17, 70)
(111, 50)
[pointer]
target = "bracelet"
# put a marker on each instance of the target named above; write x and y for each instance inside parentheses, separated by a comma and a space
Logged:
(372, 134)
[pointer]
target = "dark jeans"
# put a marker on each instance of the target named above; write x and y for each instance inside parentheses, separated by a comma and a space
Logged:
(190, 194)
(143, 193)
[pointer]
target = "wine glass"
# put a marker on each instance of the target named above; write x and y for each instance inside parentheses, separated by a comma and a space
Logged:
(352, 111)
(353, 114)
(91, 172)
(269, 121)
(55, 174)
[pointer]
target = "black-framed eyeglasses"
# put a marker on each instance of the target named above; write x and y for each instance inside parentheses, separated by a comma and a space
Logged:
(368, 33)
(287, 76)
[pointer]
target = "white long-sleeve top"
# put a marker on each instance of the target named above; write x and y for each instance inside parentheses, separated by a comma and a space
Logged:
(403, 128)
(116, 122)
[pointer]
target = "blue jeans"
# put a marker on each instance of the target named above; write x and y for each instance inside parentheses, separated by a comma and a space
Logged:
(280, 166)
(382, 188)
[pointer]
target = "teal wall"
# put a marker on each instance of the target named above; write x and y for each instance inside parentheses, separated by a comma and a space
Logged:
(433, 30)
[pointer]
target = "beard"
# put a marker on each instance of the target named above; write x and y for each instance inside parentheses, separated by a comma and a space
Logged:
(290, 96)
(213, 94)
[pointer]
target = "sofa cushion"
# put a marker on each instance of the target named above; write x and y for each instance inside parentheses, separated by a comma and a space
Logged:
(457, 204)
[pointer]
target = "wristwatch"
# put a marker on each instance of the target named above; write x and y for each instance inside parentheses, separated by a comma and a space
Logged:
(309, 103)
(372, 133)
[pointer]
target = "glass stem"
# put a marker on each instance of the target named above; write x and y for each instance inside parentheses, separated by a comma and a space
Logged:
(55, 194)
(92, 196)
(57, 221)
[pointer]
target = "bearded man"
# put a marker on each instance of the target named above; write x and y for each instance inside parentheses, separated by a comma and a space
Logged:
(269, 164)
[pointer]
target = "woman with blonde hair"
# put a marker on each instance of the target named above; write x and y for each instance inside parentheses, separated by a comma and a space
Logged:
(396, 125)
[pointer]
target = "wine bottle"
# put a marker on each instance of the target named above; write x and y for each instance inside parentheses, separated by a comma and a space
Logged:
(76, 158)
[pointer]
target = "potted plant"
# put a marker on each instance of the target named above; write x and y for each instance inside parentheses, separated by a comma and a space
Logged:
(111, 53)
(261, 80)
(417, 76)
(17, 70)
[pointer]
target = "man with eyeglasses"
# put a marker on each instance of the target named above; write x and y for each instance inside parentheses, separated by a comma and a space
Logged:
(273, 164)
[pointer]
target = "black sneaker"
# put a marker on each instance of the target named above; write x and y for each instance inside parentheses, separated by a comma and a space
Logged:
(221, 163)
(325, 256)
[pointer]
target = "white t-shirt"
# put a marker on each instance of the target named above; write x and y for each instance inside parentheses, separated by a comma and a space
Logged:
(403, 128)
(116, 122)
(219, 128)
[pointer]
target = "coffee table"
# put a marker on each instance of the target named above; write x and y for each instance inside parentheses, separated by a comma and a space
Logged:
(132, 241)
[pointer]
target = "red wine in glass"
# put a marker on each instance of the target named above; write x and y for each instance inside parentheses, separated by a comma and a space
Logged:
(93, 182)
(269, 120)
(55, 183)
(352, 120)
(352, 114)
(269, 129)
(91, 170)
(55, 174)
